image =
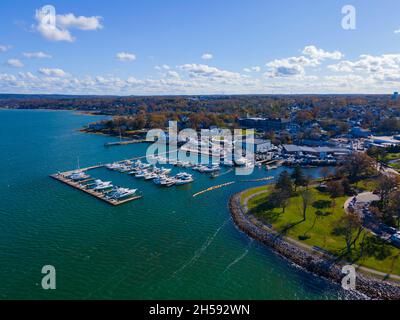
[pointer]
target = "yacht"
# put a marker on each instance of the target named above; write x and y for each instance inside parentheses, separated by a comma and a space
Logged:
(100, 185)
(114, 166)
(141, 174)
(210, 168)
(169, 182)
(183, 178)
(150, 176)
(160, 180)
(124, 168)
(120, 193)
(78, 175)
(164, 170)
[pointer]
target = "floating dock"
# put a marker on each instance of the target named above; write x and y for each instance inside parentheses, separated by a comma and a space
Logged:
(77, 185)
(213, 188)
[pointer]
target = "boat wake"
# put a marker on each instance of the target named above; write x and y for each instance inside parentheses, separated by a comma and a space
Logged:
(244, 254)
(199, 252)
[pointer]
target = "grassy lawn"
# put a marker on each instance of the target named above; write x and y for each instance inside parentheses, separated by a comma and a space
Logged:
(318, 230)
(252, 191)
(391, 156)
(367, 184)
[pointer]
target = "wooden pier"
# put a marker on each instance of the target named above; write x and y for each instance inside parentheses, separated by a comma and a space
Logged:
(62, 177)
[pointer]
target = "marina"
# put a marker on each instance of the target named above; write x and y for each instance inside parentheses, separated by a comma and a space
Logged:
(96, 191)
(65, 227)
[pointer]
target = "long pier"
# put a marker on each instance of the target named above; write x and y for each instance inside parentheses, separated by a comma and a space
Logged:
(121, 143)
(62, 177)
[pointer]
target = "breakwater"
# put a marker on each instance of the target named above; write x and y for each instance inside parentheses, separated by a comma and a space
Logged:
(319, 264)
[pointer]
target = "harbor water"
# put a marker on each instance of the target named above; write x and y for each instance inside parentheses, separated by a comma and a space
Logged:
(167, 245)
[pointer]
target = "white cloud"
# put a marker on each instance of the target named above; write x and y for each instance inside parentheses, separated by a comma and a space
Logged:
(60, 31)
(397, 31)
(69, 21)
(163, 67)
(173, 74)
(207, 56)
(4, 48)
(202, 70)
(366, 74)
(320, 54)
(36, 55)
(15, 63)
(125, 56)
(384, 64)
(252, 69)
(55, 72)
(295, 66)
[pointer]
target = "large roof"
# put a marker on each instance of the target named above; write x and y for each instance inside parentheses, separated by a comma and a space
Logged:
(296, 148)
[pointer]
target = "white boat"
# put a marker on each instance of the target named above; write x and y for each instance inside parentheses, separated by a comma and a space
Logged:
(114, 166)
(141, 174)
(101, 185)
(241, 162)
(160, 180)
(169, 182)
(124, 168)
(183, 178)
(78, 175)
(164, 170)
(150, 176)
(209, 169)
(119, 193)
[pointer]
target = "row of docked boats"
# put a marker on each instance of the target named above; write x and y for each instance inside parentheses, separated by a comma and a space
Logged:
(109, 191)
(160, 176)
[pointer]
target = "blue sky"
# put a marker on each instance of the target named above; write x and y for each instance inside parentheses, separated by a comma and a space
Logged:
(199, 47)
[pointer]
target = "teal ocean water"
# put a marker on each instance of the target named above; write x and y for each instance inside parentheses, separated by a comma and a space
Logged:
(167, 245)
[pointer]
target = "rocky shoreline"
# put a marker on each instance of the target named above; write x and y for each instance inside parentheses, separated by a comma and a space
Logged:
(317, 264)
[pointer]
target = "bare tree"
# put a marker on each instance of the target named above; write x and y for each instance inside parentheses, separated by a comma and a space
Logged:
(306, 200)
(350, 228)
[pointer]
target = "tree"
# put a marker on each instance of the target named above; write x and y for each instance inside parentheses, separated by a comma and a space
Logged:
(386, 185)
(284, 183)
(299, 178)
(335, 188)
(394, 206)
(350, 228)
(280, 199)
(347, 188)
(358, 165)
(306, 200)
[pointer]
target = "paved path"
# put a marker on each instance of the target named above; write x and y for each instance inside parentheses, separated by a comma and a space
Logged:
(310, 248)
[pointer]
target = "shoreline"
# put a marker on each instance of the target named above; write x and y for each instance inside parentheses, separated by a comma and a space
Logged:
(319, 264)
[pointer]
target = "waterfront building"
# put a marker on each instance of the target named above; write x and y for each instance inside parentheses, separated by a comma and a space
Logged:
(359, 132)
(321, 152)
(264, 124)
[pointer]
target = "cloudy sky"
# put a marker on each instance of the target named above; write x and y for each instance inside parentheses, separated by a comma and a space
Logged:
(199, 47)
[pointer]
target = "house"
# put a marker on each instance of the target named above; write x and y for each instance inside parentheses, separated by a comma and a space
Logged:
(359, 132)
(264, 124)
